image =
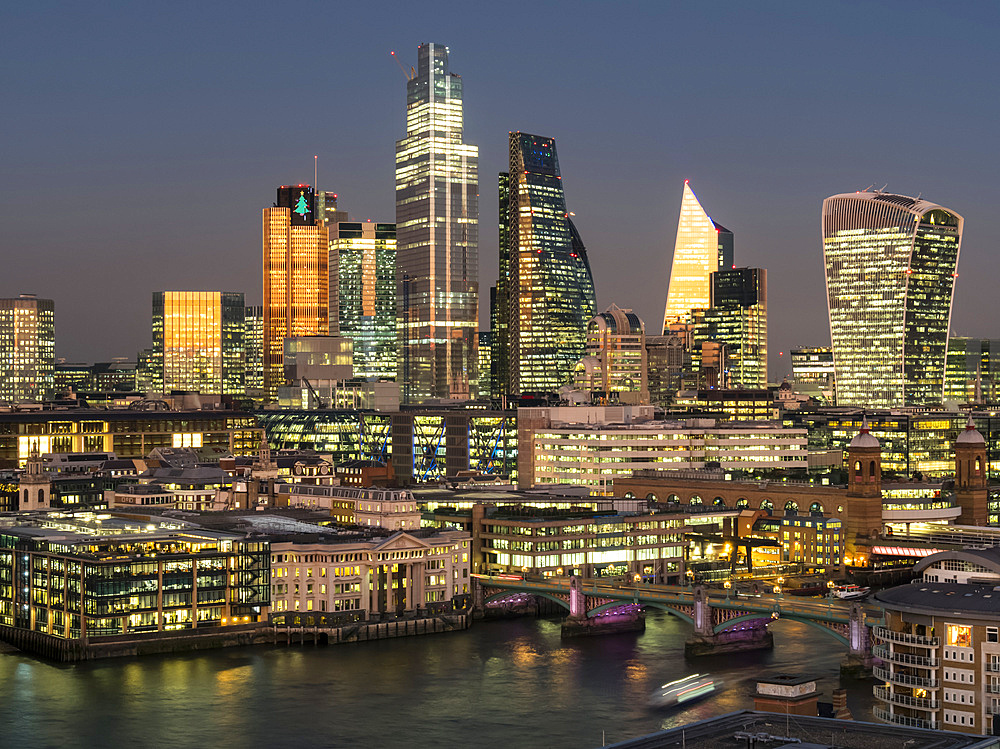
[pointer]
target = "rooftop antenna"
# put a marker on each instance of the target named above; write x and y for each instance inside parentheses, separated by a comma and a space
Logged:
(884, 186)
(408, 76)
(315, 171)
(918, 195)
(869, 188)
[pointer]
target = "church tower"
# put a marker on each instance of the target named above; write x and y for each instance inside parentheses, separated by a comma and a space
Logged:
(863, 516)
(34, 489)
(970, 476)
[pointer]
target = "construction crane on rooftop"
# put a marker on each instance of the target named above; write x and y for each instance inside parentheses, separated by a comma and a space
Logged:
(409, 76)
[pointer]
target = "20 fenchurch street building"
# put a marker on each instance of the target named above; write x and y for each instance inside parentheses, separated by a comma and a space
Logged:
(891, 265)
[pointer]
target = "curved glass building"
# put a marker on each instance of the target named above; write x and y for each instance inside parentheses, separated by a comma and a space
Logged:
(549, 287)
(891, 265)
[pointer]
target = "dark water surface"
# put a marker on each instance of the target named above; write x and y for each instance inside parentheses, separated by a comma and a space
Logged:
(500, 684)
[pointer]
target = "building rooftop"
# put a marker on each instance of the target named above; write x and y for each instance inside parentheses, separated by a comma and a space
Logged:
(935, 598)
(745, 728)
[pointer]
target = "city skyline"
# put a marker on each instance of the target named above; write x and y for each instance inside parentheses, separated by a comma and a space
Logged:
(194, 127)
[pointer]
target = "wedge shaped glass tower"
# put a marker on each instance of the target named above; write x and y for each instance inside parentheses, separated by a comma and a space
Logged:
(437, 230)
(548, 284)
(891, 265)
(702, 247)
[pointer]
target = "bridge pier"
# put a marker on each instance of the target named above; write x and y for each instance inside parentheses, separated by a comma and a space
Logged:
(857, 664)
(706, 641)
(627, 618)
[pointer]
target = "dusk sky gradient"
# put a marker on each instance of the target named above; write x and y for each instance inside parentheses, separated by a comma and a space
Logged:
(140, 141)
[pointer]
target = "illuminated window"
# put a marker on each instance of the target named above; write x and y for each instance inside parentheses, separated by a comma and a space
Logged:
(960, 635)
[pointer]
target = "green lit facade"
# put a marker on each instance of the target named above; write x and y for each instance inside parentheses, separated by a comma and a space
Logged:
(891, 263)
(364, 255)
(421, 445)
(550, 290)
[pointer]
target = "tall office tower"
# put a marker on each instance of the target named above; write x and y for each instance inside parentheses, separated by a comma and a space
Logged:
(499, 304)
(813, 372)
(665, 357)
(738, 317)
(972, 370)
(484, 353)
(365, 254)
(701, 247)
(550, 290)
(326, 209)
(198, 341)
(296, 277)
(253, 351)
(891, 264)
(27, 348)
(615, 364)
(437, 222)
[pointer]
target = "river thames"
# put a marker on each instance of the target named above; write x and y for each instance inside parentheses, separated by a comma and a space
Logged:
(499, 684)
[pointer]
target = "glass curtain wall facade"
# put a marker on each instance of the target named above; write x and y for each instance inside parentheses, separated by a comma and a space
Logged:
(701, 247)
(499, 305)
(738, 317)
(972, 370)
(296, 277)
(891, 263)
(27, 348)
(253, 350)
(198, 341)
(550, 288)
(364, 255)
(437, 223)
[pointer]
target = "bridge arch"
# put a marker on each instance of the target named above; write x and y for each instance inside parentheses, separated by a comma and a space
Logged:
(663, 607)
(505, 592)
(755, 615)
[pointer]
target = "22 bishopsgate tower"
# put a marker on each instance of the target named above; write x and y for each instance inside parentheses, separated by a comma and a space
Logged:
(890, 277)
(437, 230)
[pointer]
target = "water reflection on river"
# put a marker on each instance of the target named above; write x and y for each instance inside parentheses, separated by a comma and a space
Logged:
(499, 684)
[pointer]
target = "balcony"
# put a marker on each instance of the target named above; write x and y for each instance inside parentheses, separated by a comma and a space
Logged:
(993, 666)
(905, 659)
(904, 720)
(904, 680)
(920, 703)
(904, 638)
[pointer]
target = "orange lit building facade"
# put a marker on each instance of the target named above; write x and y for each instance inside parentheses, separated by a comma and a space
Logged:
(296, 277)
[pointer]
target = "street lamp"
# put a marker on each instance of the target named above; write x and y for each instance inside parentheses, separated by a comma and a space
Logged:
(830, 585)
(636, 578)
(727, 585)
(690, 577)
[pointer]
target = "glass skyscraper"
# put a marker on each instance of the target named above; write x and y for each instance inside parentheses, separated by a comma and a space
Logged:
(27, 348)
(437, 223)
(296, 277)
(198, 341)
(548, 283)
(737, 317)
(253, 351)
(891, 264)
(701, 247)
(972, 372)
(365, 256)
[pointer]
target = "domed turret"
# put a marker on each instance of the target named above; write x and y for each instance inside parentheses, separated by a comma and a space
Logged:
(864, 438)
(971, 435)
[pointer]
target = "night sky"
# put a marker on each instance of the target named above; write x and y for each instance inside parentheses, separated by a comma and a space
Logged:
(140, 141)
